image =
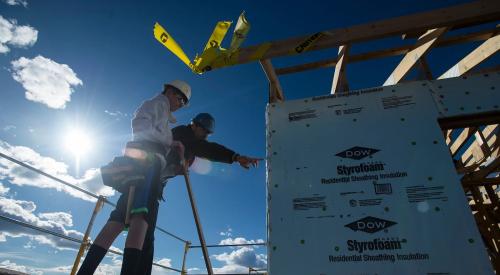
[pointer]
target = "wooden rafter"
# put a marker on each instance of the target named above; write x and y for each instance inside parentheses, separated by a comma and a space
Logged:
(425, 70)
(478, 55)
(275, 91)
(339, 83)
(395, 51)
(474, 154)
(461, 140)
(484, 11)
(424, 44)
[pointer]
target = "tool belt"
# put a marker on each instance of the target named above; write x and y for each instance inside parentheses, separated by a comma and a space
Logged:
(123, 172)
(128, 170)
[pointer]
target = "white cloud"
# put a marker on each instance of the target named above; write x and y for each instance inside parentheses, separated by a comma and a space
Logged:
(3, 190)
(116, 114)
(239, 240)
(165, 261)
(61, 218)
(239, 260)
(58, 269)
(17, 2)
(160, 270)
(15, 174)
(14, 35)
(227, 233)
(245, 257)
(45, 80)
(25, 211)
(21, 268)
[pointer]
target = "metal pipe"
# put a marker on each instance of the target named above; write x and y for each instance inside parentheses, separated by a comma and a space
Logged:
(62, 236)
(171, 235)
(227, 245)
(85, 242)
(73, 186)
(206, 257)
(68, 238)
(49, 176)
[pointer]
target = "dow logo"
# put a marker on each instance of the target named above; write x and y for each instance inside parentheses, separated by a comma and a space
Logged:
(357, 153)
(370, 224)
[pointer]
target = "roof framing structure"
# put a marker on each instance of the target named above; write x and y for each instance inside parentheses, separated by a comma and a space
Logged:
(431, 26)
(473, 139)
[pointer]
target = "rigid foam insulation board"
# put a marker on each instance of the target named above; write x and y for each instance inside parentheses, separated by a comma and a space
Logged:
(365, 184)
(466, 95)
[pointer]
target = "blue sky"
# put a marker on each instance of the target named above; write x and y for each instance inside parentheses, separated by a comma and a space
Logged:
(88, 64)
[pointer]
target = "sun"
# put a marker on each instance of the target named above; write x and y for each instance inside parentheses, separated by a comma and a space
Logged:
(78, 142)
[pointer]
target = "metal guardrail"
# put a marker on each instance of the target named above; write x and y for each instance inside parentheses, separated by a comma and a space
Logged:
(105, 200)
(62, 236)
(75, 187)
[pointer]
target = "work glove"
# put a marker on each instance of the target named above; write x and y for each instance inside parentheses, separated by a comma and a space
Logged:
(246, 162)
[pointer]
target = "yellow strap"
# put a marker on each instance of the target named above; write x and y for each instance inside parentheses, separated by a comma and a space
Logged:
(218, 34)
(240, 32)
(168, 41)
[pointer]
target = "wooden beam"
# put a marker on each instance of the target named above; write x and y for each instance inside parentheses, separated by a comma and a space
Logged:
(423, 45)
(488, 70)
(483, 11)
(462, 121)
(487, 181)
(339, 79)
(461, 139)
(478, 55)
(474, 152)
(425, 70)
(484, 171)
(447, 135)
(275, 91)
(395, 51)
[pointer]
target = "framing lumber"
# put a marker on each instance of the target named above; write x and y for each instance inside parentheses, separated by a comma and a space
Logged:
(461, 139)
(484, 11)
(484, 182)
(339, 84)
(478, 55)
(395, 51)
(423, 45)
(275, 91)
(486, 118)
(488, 132)
(425, 70)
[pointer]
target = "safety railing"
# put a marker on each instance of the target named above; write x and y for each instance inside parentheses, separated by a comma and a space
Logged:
(101, 200)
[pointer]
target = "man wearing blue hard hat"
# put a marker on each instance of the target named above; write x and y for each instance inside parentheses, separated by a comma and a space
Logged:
(194, 138)
(193, 143)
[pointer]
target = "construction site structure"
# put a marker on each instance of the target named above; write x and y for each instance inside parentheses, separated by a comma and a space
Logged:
(406, 171)
(397, 179)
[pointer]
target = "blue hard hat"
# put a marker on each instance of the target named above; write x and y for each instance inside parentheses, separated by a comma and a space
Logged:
(206, 121)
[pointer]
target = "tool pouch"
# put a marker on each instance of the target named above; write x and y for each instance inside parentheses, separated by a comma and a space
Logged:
(123, 172)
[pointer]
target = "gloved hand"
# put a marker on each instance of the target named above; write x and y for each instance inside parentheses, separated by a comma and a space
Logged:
(245, 161)
(178, 147)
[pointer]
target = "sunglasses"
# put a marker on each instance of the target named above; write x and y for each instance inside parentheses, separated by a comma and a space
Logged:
(181, 99)
(203, 128)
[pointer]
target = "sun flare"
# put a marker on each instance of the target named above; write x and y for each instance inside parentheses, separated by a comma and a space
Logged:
(78, 142)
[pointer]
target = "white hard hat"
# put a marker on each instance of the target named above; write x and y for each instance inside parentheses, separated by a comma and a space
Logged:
(183, 87)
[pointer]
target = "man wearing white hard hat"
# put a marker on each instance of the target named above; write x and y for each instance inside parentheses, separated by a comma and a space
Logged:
(142, 166)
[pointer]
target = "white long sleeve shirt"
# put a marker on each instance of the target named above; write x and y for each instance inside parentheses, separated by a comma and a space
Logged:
(151, 121)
